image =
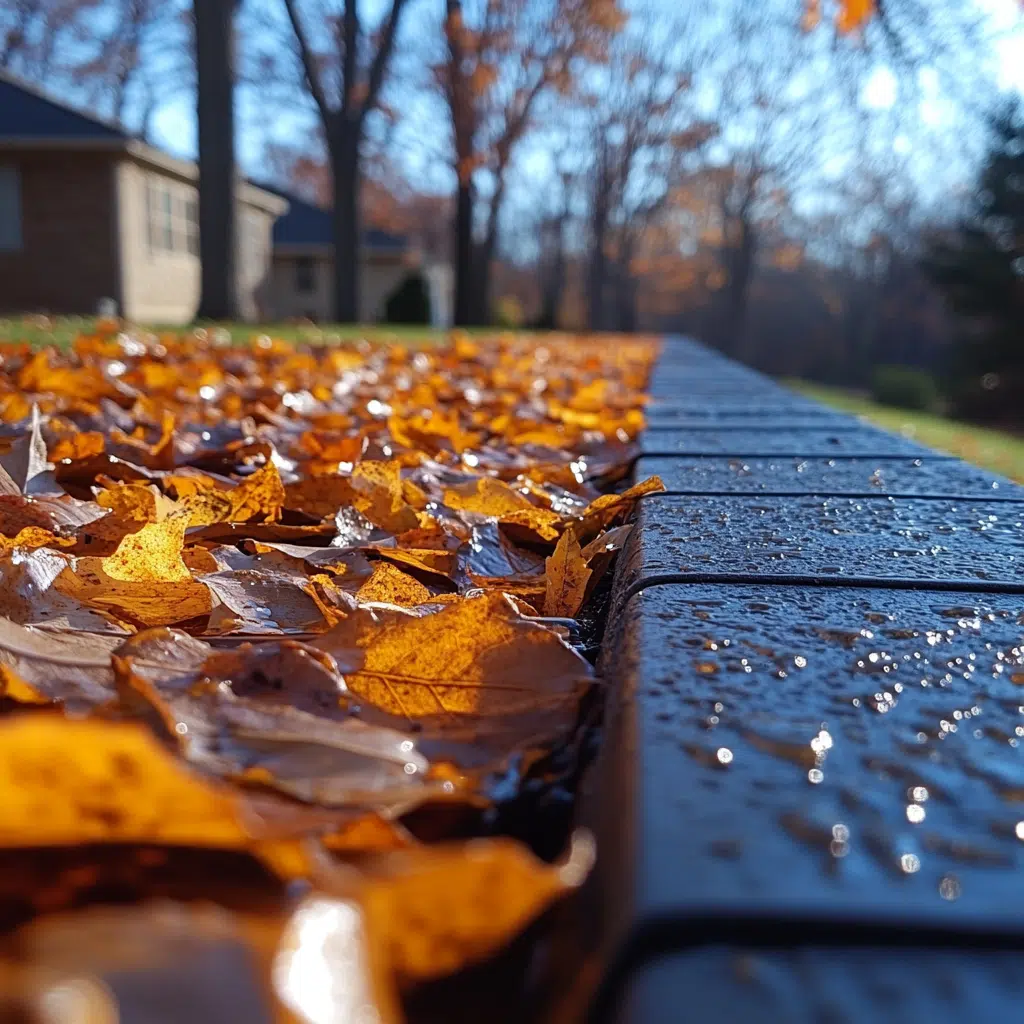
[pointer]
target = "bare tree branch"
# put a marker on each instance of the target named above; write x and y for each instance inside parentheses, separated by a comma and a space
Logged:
(308, 59)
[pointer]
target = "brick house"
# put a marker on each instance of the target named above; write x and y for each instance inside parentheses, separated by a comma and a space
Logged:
(89, 213)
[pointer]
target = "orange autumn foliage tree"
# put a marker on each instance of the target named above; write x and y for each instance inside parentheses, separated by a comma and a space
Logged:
(274, 613)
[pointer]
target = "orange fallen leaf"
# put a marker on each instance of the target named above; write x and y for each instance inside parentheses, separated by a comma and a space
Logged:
(475, 657)
(486, 496)
(33, 537)
(78, 446)
(416, 916)
(566, 576)
(320, 496)
(65, 782)
(13, 687)
(609, 509)
(143, 502)
(379, 496)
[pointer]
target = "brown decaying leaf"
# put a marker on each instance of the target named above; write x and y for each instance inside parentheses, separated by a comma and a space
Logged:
(24, 468)
(68, 667)
(273, 715)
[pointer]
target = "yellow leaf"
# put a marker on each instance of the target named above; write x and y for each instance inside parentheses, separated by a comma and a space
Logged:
(434, 910)
(434, 564)
(566, 575)
(141, 502)
(531, 525)
(142, 603)
(392, 586)
(152, 554)
(31, 537)
(258, 497)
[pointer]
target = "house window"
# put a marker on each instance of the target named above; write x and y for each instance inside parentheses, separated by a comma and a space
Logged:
(10, 209)
(304, 276)
(192, 226)
(172, 217)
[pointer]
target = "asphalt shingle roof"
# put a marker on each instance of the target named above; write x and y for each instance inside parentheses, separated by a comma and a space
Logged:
(306, 223)
(27, 114)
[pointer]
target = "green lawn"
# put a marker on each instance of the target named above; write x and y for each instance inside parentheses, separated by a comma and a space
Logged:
(992, 449)
(62, 330)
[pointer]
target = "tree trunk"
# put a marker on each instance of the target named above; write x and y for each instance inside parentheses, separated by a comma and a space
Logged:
(736, 293)
(485, 255)
(345, 178)
(215, 112)
(464, 276)
(553, 281)
(597, 268)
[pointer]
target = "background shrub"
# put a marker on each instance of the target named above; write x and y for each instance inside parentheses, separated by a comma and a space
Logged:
(905, 388)
(409, 303)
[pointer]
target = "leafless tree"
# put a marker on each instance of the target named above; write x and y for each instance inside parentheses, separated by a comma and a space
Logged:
(344, 68)
(644, 132)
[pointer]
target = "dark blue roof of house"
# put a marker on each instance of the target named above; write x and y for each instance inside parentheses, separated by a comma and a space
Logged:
(306, 223)
(28, 114)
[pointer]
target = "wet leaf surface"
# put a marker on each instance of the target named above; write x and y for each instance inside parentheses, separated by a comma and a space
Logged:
(273, 613)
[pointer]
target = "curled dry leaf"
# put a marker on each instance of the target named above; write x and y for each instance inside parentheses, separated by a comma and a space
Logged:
(601, 552)
(25, 467)
(610, 509)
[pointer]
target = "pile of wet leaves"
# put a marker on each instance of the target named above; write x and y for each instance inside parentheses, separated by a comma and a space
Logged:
(282, 628)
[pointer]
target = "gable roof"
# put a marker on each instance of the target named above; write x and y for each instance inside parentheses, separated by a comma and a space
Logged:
(308, 225)
(25, 113)
(31, 119)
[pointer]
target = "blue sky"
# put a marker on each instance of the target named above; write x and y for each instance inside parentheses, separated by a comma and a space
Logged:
(173, 126)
